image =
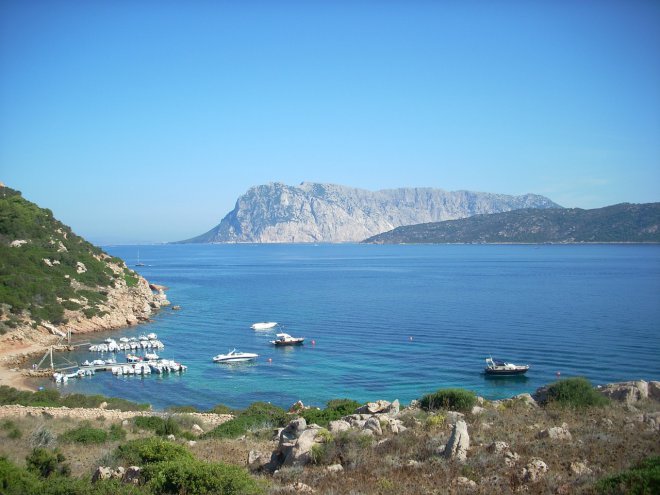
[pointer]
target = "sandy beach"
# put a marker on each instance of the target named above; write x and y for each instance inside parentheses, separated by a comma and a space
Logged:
(15, 350)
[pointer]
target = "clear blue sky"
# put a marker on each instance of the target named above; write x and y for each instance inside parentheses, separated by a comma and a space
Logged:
(143, 121)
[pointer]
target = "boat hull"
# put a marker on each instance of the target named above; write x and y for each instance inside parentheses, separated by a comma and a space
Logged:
(285, 343)
(516, 372)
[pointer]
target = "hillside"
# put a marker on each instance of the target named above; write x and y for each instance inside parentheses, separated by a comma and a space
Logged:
(618, 223)
(315, 212)
(52, 280)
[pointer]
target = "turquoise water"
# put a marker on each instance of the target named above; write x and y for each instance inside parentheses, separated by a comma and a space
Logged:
(391, 321)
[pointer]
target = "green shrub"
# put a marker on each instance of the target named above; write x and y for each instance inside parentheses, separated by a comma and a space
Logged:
(160, 426)
(17, 481)
(259, 415)
(52, 398)
(151, 450)
(11, 428)
(85, 434)
(45, 463)
(221, 409)
(200, 478)
(116, 432)
(335, 409)
(575, 392)
(643, 479)
(454, 399)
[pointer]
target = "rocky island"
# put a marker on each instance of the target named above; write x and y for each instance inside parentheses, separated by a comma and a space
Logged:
(313, 212)
(53, 282)
(622, 223)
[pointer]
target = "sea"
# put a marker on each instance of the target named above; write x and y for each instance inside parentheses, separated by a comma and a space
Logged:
(387, 321)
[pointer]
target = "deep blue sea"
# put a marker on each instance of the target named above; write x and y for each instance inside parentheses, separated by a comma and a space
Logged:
(390, 322)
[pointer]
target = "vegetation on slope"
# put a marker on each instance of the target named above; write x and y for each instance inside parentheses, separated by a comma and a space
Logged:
(618, 223)
(46, 268)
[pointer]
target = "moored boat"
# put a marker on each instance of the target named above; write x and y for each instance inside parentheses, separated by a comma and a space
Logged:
(286, 339)
(264, 325)
(495, 367)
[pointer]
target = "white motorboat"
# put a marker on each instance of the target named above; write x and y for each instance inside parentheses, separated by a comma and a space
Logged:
(233, 356)
(264, 325)
(286, 339)
(152, 336)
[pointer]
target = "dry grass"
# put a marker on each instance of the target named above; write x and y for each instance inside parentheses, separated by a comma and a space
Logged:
(607, 440)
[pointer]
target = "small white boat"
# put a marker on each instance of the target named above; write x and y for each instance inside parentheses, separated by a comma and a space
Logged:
(123, 339)
(151, 356)
(264, 325)
(286, 339)
(233, 356)
(152, 336)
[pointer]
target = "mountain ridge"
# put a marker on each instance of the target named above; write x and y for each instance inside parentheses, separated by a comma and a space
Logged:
(323, 212)
(620, 223)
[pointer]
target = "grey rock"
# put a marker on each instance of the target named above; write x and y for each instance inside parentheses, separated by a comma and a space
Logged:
(654, 390)
(580, 469)
(102, 473)
(627, 392)
(300, 454)
(534, 471)
(132, 475)
(373, 424)
(315, 212)
(464, 484)
(171, 437)
(338, 425)
(197, 430)
(335, 468)
(459, 442)
(452, 417)
(555, 433)
(498, 448)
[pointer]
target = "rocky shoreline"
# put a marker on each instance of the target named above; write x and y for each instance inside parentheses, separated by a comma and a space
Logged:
(125, 306)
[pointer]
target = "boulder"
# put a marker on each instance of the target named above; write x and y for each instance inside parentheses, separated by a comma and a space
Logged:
(299, 487)
(300, 453)
(534, 471)
(556, 433)
(476, 410)
(338, 425)
(297, 407)
(459, 442)
(192, 443)
(103, 405)
(132, 475)
(102, 473)
(580, 469)
(257, 460)
(118, 473)
(627, 392)
(464, 484)
(526, 399)
(541, 395)
(334, 468)
(197, 430)
(171, 437)
(498, 448)
(452, 417)
(373, 424)
(654, 390)
(379, 407)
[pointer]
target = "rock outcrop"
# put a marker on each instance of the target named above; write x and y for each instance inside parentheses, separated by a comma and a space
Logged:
(315, 212)
(459, 442)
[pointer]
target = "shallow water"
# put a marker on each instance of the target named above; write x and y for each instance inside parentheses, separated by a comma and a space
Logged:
(391, 321)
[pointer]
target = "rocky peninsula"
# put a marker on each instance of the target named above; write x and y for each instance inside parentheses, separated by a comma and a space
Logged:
(54, 283)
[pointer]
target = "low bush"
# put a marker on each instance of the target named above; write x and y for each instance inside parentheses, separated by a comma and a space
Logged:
(643, 479)
(198, 477)
(116, 432)
(45, 463)
(17, 481)
(454, 399)
(221, 409)
(158, 425)
(576, 393)
(52, 398)
(42, 437)
(85, 434)
(335, 409)
(11, 428)
(259, 415)
(151, 450)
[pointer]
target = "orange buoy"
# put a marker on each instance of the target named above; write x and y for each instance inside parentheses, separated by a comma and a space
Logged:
(558, 373)
(270, 360)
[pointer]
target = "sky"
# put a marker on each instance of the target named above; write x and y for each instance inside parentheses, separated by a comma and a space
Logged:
(143, 121)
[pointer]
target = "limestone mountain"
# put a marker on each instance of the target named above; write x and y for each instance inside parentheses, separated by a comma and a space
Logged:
(314, 212)
(52, 280)
(618, 223)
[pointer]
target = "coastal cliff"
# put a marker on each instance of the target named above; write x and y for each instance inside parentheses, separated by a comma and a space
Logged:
(314, 212)
(53, 281)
